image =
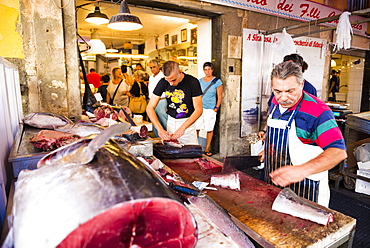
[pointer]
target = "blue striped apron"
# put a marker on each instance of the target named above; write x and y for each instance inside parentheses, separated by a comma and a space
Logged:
(277, 155)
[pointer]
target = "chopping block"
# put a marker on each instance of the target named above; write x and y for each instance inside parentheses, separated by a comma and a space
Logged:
(251, 209)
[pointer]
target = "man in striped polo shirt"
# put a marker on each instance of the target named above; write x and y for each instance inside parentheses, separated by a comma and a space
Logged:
(303, 140)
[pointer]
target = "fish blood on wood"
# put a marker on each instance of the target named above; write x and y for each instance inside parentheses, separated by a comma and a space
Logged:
(289, 203)
(113, 201)
(208, 166)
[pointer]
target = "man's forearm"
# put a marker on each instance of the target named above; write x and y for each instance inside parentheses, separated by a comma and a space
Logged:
(325, 161)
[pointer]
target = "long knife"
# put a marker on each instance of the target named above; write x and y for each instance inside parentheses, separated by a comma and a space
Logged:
(130, 120)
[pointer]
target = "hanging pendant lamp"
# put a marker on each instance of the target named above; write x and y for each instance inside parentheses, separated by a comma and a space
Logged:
(97, 17)
(112, 49)
(97, 46)
(124, 20)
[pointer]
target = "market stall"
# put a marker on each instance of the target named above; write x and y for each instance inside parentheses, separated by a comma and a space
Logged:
(250, 208)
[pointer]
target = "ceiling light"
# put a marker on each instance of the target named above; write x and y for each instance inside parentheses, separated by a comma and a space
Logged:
(111, 48)
(124, 20)
(333, 63)
(122, 55)
(97, 46)
(188, 57)
(97, 17)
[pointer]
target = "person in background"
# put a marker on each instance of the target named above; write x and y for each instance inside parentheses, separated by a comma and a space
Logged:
(94, 78)
(139, 85)
(303, 140)
(118, 89)
(333, 85)
(103, 87)
(161, 108)
(212, 97)
(296, 58)
(184, 104)
(138, 66)
(126, 76)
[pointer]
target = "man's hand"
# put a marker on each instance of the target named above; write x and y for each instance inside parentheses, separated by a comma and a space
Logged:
(178, 133)
(261, 135)
(287, 175)
(261, 156)
(164, 134)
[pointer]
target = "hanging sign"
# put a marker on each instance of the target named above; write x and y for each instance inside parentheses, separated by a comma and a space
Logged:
(301, 10)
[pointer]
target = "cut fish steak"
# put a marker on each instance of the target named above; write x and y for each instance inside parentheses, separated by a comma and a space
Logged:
(289, 203)
(226, 181)
(49, 140)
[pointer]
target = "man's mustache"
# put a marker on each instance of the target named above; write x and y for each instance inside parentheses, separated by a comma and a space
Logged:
(285, 103)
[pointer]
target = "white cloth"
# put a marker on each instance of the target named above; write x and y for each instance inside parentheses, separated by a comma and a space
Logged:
(344, 32)
(119, 99)
(207, 120)
(153, 81)
(190, 134)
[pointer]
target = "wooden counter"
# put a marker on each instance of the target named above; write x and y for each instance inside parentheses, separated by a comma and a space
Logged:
(252, 208)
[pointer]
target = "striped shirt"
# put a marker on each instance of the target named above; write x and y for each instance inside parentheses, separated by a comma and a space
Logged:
(315, 122)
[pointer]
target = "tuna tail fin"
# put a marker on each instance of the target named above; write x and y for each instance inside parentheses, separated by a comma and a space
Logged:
(105, 135)
(85, 154)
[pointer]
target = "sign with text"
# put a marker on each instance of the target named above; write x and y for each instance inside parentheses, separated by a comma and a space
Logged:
(259, 58)
(301, 10)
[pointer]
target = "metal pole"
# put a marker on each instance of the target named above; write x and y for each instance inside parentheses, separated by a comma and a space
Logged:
(330, 28)
(260, 85)
(315, 22)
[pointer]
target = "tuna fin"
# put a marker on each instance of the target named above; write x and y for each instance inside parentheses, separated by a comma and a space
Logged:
(108, 133)
(85, 154)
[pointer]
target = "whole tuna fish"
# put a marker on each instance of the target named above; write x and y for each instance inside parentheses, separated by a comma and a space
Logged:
(45, 120)
(80, 129)
(85, 195)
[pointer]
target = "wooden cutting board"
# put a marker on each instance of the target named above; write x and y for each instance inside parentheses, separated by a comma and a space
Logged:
(252, 207)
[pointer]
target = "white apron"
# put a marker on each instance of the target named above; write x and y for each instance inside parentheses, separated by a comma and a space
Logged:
(190, 134)
(283, 147)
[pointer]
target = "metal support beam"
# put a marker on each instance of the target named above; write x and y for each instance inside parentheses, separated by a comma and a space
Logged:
(329, 28)
(315, 22)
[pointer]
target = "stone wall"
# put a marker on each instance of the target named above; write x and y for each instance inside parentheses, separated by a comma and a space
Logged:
(50, 65)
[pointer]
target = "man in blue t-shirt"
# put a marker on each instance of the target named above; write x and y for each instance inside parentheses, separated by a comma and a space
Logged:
(184, 104)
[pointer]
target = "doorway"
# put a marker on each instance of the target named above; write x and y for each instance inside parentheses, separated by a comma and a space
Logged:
(350, 71)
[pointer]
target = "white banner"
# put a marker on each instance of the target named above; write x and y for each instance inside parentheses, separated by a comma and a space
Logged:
(256, 72)
(301, 10)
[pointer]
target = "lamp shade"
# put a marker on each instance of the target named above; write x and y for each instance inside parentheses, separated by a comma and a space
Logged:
(111, 48)
(97, 46)
(97, 17)
(124, 20)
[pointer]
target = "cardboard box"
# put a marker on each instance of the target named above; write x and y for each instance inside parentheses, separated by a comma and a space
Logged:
(363, 186)
(364, 165)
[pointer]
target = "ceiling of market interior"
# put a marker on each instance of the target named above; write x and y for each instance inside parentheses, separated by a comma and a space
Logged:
(155, 22)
